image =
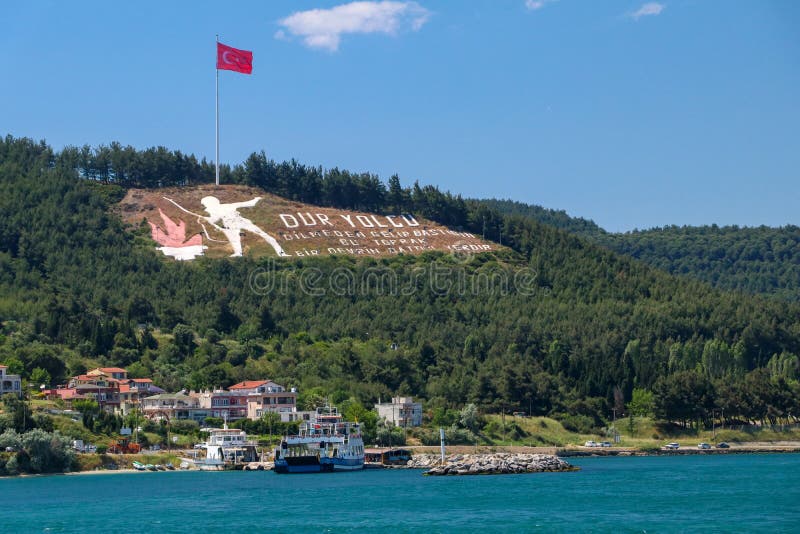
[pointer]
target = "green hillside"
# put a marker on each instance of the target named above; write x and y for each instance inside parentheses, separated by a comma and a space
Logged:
(760, 260)
(556, 326)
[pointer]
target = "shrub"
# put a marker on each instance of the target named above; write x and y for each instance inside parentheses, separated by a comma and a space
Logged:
(582, 424)
(12, 467)
(394, 436)
(214, 422)
(459, 436)
(48, 452)
(10, 439)
(45, 422)
(185, 426)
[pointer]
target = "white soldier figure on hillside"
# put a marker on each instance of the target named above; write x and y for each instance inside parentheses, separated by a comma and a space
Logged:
(227, 219)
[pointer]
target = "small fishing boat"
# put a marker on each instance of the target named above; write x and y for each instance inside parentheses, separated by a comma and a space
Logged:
(139, 466)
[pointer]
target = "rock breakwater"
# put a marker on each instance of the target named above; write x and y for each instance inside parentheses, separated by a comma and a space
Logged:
(489, 464)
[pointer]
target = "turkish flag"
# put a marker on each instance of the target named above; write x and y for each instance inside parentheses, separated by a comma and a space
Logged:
(229, 58)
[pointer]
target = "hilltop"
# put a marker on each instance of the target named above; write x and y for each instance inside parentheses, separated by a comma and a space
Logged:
(760, 260)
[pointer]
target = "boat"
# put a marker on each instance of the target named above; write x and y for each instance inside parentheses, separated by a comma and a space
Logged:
(226, 448)
(324, 444)
(139, 466)
(151, 467)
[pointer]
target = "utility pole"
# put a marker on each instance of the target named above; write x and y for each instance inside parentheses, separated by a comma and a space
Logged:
(503, 416)
(614, 423)
(714, 424)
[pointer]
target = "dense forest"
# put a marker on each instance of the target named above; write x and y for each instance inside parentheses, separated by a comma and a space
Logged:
(556, 325)
(760, 260)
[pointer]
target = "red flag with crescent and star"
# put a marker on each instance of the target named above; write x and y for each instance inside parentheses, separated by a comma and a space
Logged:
(229, 58)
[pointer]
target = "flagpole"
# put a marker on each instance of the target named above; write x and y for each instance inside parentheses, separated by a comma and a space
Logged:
(216, 157)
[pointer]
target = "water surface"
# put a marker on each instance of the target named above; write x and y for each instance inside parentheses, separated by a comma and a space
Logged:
(719, 493)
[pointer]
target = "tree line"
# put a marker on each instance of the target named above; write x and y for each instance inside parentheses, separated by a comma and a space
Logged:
(759, 260)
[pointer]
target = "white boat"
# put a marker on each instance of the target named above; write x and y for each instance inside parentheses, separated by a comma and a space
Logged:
(226, 448)
(324, 444)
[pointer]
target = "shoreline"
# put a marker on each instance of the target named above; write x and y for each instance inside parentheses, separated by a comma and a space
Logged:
(577, 453)
(581, 452)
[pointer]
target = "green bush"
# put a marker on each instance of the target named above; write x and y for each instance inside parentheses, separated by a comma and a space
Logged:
(37, 451)
(582, 424)
(49, 453)
(214, 422)
(185, 426)
(12, 466)
(390, 436)
(452, 436)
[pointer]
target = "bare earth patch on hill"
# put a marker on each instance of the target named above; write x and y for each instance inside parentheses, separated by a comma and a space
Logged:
(298, 229)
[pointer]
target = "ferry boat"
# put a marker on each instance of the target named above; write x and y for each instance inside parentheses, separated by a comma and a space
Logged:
(226, 448)
(324, 444)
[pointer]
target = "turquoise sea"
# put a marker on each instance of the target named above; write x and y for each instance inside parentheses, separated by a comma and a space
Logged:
(715, 493)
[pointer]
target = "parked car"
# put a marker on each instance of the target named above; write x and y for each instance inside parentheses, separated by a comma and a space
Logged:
(723, 445)
(672, 445)
(703, 446)
(605, 443)
(591, 444)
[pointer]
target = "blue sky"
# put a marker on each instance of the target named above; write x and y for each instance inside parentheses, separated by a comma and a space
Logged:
(632, 113)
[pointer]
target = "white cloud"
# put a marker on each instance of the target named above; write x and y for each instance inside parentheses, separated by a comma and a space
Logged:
(323, 28)
(533, 5)
(647, 10)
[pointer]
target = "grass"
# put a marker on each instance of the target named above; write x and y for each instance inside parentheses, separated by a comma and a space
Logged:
(535, 432)
(646, 434)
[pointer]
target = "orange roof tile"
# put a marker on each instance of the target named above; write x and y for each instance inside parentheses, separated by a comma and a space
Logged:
(68, 394)
(248, 384)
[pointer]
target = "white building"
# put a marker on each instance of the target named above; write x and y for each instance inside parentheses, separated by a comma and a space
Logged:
(9, 383)
(402, 412)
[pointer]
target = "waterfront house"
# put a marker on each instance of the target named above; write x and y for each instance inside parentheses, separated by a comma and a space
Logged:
(270, 397)
(252, 386)
(402, 412)
(109, 386)
(116, 373)
(96, 385)
(9, 383)
(174, 406)
(227, 405)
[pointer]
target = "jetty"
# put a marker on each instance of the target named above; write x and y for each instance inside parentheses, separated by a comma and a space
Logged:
(489, 464)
